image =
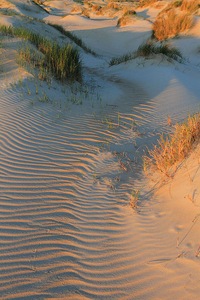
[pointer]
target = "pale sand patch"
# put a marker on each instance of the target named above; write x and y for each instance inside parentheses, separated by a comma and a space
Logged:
(103, 36)
(180, 196)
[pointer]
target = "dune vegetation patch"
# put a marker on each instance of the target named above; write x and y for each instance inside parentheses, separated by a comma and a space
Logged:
(62, 61)
(144, 3)
(39, 2)
(163, 48)
(126, 18)
(33, 60)
(190, 6)
(110, 9)
(171, 24)
(147, 50)
(177, 17)
(173, 148)
(122, 59)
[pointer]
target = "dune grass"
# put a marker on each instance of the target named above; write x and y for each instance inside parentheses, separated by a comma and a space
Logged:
(190, 6)
(143, 3)
(177, 17)
(171, 24)
(63, 62)
(39, 2)
(173, 148)
(150, 48)
(121, 59)
(33, 59)
(147, 50)
(126, 18)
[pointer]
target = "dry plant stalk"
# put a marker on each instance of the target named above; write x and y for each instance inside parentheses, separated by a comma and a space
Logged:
(134, 198)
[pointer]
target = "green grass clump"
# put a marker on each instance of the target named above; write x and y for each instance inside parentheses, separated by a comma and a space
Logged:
(147, 50)
(63, 62)
(174, 147)
(31, 58)
(150, 48)
(121, 59)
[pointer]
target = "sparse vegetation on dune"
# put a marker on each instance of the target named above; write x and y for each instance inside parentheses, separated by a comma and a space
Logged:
(109, 9)
(31, 58)
(190, 5)
(150, 48)
(63, 62)
(126, 18)
(147, 50)
(177, 17)
(144, 3)
(174, 147)
(171, 24)
(121, 59)
(40, 2)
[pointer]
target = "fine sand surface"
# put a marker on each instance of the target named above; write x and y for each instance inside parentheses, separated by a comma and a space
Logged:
(71, 161)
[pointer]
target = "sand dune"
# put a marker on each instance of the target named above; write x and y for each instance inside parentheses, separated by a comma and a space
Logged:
(71, 159)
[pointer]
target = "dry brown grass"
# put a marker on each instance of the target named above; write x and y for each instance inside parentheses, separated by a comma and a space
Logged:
(177, 17)
(126, 18)
(175, 147)
(171, 23)
(86, 12)
(114, 5)
(76, 9)
(190, 6)
(40, 2)
(109, 9)
(144, 3)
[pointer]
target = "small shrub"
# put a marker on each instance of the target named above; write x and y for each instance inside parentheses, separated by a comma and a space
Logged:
(174, 147)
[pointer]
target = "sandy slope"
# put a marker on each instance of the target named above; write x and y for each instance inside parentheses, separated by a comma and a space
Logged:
(67, 173)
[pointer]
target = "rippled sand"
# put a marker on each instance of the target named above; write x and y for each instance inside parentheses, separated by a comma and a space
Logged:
(67, 173)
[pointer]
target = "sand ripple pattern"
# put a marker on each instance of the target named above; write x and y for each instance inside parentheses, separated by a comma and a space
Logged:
(60, 219)
(65, 225)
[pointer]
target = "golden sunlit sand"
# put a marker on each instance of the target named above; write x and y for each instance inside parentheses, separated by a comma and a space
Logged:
(79, 217)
